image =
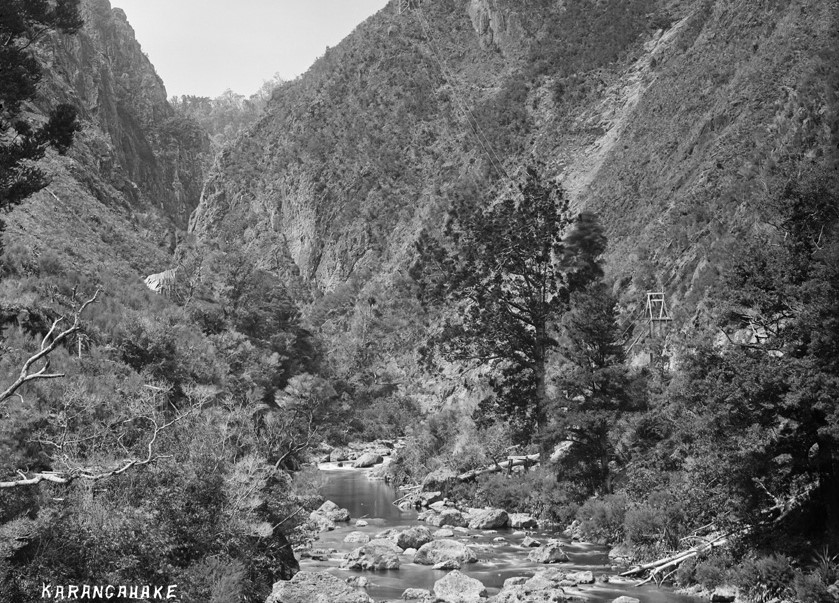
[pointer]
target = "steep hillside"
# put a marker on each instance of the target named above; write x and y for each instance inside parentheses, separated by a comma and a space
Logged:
(134, 174)
(677, 122)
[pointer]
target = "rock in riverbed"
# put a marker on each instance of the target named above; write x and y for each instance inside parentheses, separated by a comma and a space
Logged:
(368, 459)
(488, 519)
(522, 521)
(316, 587)
(456, 587)
(442, 550)
(372, 557)
(550, 552)
(413, 538)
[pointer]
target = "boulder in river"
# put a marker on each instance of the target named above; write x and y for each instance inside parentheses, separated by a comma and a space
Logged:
(448, 517)
(456, 587)
(316, 587)
(320, 523)
(444, 549)
(372, 557)
(543, 587)
(387, 543)
(625, 599)
(522, 521)
(333, 512)
(574, 578)
(448, 564)
(488, 519)
(530, 542)
(550, 552)
(337, 455)
(413, 538)
(443, 533)
(359, 537)
(368, 459)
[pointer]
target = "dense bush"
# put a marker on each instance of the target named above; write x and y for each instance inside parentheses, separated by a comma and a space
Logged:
(602, 519)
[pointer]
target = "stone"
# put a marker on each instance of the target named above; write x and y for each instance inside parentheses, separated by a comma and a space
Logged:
(371, 557)
(516, 581)
(368, 459)
(359, 537)
(456, 587)
(550, 552)
(320, 523)
(724, 594)
(426, 515)
(443, 533)
(499, 539)
(437, 505)
(413, 538)
(410, 552)
(361, 523)
(316, 554)
(488, 519)
(585, 577)
(316, 587)
(448, 564)
(530, 542)
(626, 599)
(461, 529)
(523, 594)
(449, 517)
(338, 454)
(333, 512)
(387, 543)
(442, 550)
(522, 521)
(411, 594)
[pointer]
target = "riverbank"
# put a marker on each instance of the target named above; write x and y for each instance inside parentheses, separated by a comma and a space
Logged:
(502, 560)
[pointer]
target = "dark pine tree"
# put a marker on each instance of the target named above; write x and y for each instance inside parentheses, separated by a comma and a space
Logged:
(504, 274)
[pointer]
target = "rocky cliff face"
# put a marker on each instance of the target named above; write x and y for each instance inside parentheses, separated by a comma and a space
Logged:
(676, 121)
(134, 174)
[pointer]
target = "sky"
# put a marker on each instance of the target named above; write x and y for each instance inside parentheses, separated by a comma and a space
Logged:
(204, 47)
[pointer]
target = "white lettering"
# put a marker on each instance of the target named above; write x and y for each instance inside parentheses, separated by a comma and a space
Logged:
(158, 592)
(122, 592)
(45, 591)
(170, 592)
(59, 592)
(85, 591)
(73, 592)
(109, 591)
(145, 593)
(134, 590)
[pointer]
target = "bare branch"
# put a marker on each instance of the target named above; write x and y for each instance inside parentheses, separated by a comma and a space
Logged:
(94, 474)
(48, 344)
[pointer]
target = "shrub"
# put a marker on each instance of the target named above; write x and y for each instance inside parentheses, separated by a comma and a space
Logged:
(602, 519)
(765, 578)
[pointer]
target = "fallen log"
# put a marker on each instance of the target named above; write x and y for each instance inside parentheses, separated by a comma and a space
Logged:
(512, 461)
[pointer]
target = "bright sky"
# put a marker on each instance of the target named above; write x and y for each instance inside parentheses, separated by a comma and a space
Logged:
(204, 47)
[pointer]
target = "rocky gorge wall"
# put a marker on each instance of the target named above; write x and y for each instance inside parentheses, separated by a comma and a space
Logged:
(134, 173)
(677, 122)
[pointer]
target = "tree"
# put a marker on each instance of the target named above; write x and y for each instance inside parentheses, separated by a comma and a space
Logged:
(595, 387)
(506, 273)
(22, 23)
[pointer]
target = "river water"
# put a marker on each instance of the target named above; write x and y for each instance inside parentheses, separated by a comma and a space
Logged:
(371, 500)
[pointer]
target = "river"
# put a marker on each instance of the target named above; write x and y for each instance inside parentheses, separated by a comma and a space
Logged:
(371, 500)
